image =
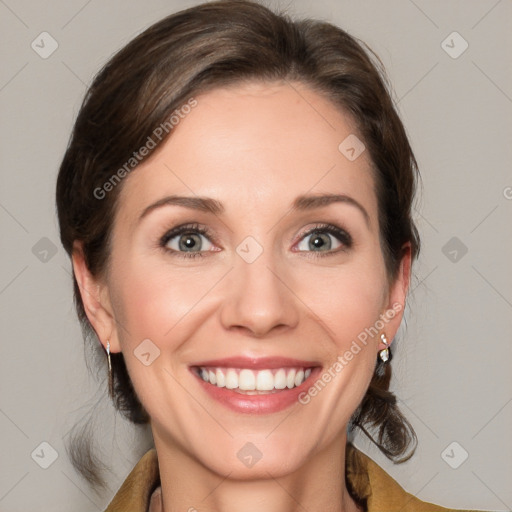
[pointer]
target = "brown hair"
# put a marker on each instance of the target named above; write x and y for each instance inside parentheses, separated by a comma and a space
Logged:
(193, 51)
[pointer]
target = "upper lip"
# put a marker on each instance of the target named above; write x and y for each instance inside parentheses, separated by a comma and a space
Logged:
(258, 363)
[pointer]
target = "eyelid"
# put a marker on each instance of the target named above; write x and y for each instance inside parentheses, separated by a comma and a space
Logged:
(340, 233)
(186, 227)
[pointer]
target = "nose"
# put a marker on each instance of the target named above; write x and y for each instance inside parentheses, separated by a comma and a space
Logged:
(259, 297)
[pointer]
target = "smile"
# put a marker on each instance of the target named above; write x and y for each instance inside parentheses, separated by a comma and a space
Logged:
(255, 386)
(253, 382)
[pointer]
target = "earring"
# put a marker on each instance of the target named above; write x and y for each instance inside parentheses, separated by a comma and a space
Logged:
(384, 354)
(110, 378)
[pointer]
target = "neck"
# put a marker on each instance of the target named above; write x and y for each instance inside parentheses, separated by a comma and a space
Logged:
(318, 486)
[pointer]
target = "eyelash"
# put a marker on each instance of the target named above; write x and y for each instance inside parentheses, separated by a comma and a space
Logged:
(342, 236)
(187, 228)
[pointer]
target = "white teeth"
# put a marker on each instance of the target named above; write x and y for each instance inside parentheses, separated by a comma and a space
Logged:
(231, 379)
(280, 379)
(246, 380)
(221, 380)
(265, 381)
(290, 379)
(251, 382)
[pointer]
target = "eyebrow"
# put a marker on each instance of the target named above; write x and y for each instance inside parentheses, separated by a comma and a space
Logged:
(209, 205)
(310, 202)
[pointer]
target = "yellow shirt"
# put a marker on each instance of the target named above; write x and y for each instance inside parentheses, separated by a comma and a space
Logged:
(140, 491)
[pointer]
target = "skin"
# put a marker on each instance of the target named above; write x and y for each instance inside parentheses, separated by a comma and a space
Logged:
(254, 147)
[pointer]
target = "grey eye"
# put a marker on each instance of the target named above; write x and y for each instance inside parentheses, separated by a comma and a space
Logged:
(188, 242)
(318, 241)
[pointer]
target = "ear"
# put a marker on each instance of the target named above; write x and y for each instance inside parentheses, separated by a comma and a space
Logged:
(96, 299)
(397, 294)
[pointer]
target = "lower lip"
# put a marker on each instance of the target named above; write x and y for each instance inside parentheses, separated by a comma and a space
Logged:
(257, 404)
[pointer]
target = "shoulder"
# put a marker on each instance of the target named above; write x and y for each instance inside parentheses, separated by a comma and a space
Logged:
(382, 493)
(135, 492)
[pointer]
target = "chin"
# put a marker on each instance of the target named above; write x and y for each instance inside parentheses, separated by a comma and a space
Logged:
(249, 460)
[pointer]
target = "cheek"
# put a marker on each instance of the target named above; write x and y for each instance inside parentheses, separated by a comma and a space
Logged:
(348, 303)
(157, 302)
(347, 299)
(160, 301)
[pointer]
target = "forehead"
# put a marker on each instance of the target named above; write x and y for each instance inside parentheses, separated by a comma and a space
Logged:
(255, 146)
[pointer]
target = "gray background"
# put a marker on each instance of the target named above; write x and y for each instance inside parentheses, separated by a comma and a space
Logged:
(452, 365)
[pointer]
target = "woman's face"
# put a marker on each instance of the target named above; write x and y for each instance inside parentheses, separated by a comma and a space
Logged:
(247, 294)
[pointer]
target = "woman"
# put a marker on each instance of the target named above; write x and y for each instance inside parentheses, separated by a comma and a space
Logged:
(236, 200)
